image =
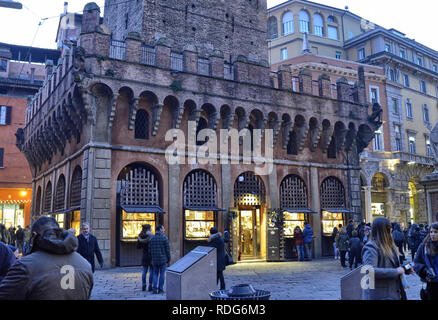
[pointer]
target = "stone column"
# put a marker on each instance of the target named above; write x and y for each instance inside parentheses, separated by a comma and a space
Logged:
(226, 191)
(316, 206)
(174, 220)
(368, 212)
(390, 205)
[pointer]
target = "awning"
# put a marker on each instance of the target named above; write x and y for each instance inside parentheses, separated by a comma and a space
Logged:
(339, 210)
(204, 208)
(78, 208)
(298, 210)
(61, 211)
(142, 209)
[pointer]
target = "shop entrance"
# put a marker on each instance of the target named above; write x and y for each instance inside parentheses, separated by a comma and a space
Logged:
(249, 221)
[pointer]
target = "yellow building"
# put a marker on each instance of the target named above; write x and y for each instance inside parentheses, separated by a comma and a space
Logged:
(391, 171)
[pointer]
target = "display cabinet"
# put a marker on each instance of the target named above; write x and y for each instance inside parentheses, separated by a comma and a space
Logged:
(331, 220)
(198, 224)
(291, 221)
(132, 224)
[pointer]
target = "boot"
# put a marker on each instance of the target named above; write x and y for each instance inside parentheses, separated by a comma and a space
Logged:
(150, 288)
(143, 287)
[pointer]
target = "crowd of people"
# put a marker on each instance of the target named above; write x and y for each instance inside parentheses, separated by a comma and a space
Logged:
(17, 238)
(382, 245)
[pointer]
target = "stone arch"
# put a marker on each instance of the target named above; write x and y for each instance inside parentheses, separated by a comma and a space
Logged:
(332, 193)
(75, 188)
(286, 127)
(172, 105)
(249, 189)
(99, 108)
(211, 114)
(37, 209)
(380, 181)
(293, 192)
(314, 133)
(242, 118)
(200, 190)
(227, 117)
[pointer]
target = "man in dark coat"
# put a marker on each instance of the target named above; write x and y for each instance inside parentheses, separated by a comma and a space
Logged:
(160, 255)
(217, 241)
(350, 228)
(88, 246)
(7, 259)
(308, 239)
(143, 243)
(20, 237)
(52, 270)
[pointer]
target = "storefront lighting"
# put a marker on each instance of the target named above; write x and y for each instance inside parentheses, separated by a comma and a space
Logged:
(411, 163)
(23, 193)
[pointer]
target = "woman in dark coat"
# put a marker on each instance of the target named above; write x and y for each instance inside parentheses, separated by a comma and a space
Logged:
(217, 241)
(426, 262)
(146, 261)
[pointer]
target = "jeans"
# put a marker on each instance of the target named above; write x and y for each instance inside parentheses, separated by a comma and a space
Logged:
(161, 270)
(300, 249)
(20, 246)
(308, 250)
(144, 273)
(220, 277)
(354, 258)
(25, 247)
(343, 253)
(336, 251)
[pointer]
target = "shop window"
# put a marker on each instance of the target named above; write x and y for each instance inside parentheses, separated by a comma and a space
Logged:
(331, 220)
(198, 224)
(132, 224)
(291, 221)
(12, 215)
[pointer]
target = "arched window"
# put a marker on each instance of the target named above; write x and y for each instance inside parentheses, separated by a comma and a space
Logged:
(76, 186)
(60, 194)
(37, 209)
(292, 147)
(202, 124)
(48, 198)
(272, 28)
(288, 23)
(293, 192)
(318, 25)
(304, 22)
(331, 19)
(332, 193)
(142, 125)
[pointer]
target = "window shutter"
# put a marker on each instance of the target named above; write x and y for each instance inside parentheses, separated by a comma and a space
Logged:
(1, 157)
(8, 115)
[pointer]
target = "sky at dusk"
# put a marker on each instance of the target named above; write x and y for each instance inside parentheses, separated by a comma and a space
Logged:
(417, 19)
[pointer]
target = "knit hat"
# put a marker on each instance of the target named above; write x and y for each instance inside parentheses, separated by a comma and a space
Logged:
(213, 231)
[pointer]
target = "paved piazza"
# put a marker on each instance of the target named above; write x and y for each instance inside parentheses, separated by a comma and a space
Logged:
(314, 280)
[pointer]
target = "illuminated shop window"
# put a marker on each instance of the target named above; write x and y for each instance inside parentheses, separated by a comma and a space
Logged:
(132, 224)
(198, 224)
(291, 221)
(331, 220)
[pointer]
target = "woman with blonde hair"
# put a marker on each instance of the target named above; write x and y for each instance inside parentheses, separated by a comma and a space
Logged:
(381, 256)
(342, 243)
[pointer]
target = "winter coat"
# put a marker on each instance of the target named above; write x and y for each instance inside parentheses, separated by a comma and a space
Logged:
(308, 233)
(298, 236)
(420, 266)
(355, 244)
(89, 248)
(342, 242)
(43, 275)
(5, 235)
(350, 230)
(398, 237)
(12, 233)
(7, 259)
(334, 234)
(27, 234)
(217, 241)
(415, 240)
(159, 249)
(144, 244)
(387, 281)
(20, 234)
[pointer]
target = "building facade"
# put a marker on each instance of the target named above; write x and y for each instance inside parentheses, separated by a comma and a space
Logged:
(98, 136)
(21, 75)
(400, 156)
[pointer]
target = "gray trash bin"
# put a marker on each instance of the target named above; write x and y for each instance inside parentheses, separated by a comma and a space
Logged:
(193, 276)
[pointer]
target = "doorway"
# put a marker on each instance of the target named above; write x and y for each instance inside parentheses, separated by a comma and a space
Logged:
(249, 226)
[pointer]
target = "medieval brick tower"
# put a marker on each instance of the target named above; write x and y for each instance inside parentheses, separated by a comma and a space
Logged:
(233, 27)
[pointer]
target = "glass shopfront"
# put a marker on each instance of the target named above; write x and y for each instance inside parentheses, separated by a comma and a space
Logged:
(377, 210)
(60, 218)
(12, 215)
(198, 224)
(331, 220)
(132, 224)
(293, 218)
(75, 221)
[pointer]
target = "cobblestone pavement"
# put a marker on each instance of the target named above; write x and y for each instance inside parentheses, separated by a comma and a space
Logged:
(313, 280)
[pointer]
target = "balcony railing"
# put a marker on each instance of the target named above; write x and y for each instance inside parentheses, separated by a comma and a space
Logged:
(204, 66)
(117, 50)
(176, 61)
(148, 56)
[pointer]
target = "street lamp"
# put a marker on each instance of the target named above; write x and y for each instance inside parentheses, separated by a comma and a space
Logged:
(10, 4)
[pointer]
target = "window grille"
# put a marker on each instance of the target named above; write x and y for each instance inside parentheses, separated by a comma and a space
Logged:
(249, 190)
(117, 50)
(200, 189)
(204, 66)
(176, 61)
(332, 193)
(148, 56)
(293, 192)
(140, 188)
(142, 125)
(76, 187)
(48, 198)
(60, 194)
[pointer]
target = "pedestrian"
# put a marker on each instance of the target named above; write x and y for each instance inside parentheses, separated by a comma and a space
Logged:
(342, 244)
(20, 239)
(308, 239)
(7, 259)
(52, 270)
(366, 235)
(406, 242)
(399, 239)
(143, 243)
(415, 239)
(381, 254)
(355, 248)
(350, 228)
(88, 246)
(426, 263)
(5, 235)
(13, 236)
(217, 241)
(160, 257)
(247, 241)
(423, 233)
(335, 250)
(299, 242)
(26, 240)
